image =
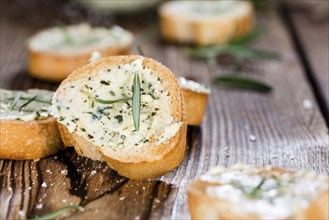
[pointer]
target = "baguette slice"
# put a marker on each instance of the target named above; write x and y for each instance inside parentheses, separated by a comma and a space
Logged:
(196, 98)
(205, 22)
(57, 51)
(245, 192)
(30, 133)
(107, 132)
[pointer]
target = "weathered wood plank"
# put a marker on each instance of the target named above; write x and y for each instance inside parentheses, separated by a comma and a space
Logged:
(287, 135)
(314, 37)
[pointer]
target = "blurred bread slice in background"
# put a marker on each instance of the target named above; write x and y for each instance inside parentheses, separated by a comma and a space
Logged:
(205, 22)
(55, 52)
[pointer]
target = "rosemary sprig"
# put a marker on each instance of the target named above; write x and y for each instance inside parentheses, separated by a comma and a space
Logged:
(36, 100)
(255, 192)
(28, 102)
(243, 82)
(58, 212)
(136, 108)
(16, 99)
(140, 50)
(102, 101)
(239, 49)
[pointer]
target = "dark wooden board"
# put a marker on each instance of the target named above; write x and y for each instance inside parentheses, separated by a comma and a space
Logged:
(288, 135)
(314, 36)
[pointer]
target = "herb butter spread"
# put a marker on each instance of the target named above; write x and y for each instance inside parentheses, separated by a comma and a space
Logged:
(269, 195)
(85, 107)
(79, 38)
(25, 105)
(193, 86)
(208, 8)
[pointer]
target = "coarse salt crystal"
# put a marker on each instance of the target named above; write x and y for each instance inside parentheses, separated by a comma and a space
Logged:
(122, 198)
(21, 213)
(44, 185)
(39, 206)
(252, 138)
(307, 104)
(93, 172)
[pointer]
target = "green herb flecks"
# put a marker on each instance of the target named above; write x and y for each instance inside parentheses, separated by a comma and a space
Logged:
(28, 102)
(136, 108)
(58, 212)
(14, 102)
(243, 82)
(68, 39)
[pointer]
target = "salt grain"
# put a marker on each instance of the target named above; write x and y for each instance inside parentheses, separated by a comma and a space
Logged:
(64, 172)
(44, 185)
(21, 213)
(93, 172)
(64, 200)
(252, 138)
(39, 206)
(122, 198)
(307, 104)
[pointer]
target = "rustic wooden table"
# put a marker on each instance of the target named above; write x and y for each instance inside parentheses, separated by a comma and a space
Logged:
(287, 134)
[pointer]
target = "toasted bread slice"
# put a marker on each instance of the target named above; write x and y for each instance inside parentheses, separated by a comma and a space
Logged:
(245, 192)
(196, 97)
(56, 52)
(205, 22)
(103, 129)
(26, 128)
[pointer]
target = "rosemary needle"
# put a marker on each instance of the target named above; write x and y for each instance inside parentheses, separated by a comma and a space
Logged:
(28, 102)
(58, 212)
(13, 104)
(136, 101)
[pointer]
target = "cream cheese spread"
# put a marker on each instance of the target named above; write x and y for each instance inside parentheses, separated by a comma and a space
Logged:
(270, 196)
(193, 86)
(79, 38)
(112, 124)
(27, 105)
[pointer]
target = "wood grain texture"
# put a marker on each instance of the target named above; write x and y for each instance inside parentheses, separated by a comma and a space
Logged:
(287, 135)
(314, 36)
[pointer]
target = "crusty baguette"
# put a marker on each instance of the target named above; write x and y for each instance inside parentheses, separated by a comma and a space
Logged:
(22, 140)
(53, 64)
(198, 22)
(196, 98)
(31, 138)
(148, 161)
(204, 204)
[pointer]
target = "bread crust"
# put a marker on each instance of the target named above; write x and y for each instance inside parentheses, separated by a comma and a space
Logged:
(204, 207)
(204, 31)
(163, 157)
(53, 66)
(27, 140)
(196, 105)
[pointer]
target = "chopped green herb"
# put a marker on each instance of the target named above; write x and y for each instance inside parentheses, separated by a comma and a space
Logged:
(90, 136)
(119, 118)
(112, 93)
(102, 101)
(105, 82)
